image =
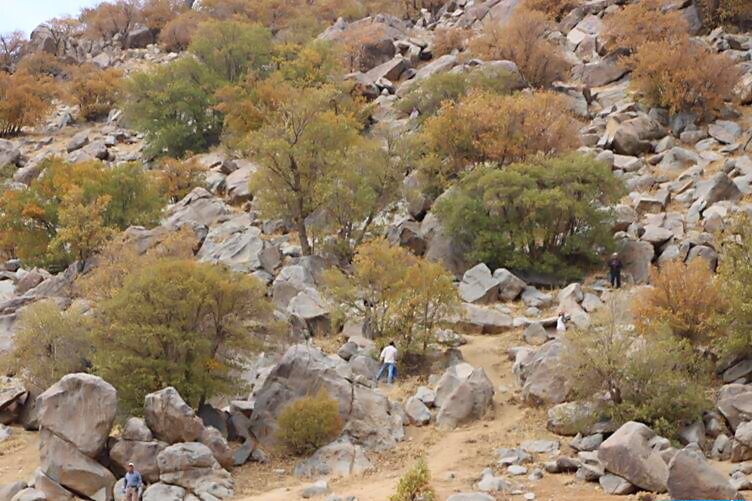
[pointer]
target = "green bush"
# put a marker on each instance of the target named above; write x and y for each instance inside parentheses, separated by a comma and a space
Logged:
(415, 484)
(545, 215)
(657, 379)
(308, 423)
(173, 105)
(428, 95)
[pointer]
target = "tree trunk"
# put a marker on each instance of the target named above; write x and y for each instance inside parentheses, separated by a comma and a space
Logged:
(305, 246)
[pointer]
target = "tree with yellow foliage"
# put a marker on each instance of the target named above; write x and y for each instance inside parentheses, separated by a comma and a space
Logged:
(95, 91)
(25, 100)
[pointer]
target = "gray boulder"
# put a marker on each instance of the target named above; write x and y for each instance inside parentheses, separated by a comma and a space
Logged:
(170, 418)
(734, 402)
(628, 454)
(163, 492)
(340, 458)
(510, 286)
(142, 454)
(239, 246)
(690, 476)
(470, 399)
(417, 412)
(543, 377)
(368, 417)
(80, 408)
(30, 495)
(478, 285)
(8, 491)
(72, 469)
(139, 38)
(192, 466)
(50, 488)
(637, 257)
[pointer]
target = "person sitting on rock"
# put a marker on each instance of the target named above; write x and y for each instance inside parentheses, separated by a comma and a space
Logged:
(388, 360)
(133, 484)
(614, 270)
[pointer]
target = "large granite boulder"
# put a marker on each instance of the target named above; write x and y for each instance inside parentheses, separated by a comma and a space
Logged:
(735, 404)
(369, 418)
(142, 454)
(170, 419)
(80, 408)
(192, 466)
(239, 246)
(690, 476)
(628, 454)
(479, 286)
(470, 399)
(66, 465)
(198, 208)
(341, 458)
(543, 376)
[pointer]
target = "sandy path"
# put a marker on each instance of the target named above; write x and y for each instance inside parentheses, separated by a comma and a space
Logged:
(457, 458)
(19, 456)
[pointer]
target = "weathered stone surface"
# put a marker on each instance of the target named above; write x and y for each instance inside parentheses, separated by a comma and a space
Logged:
(192, 466)
(615, 485)
(510, 286)
(142, 454)
(735, 404)
(163, 492)
(368, 417)
(717, 188)
(51, 489)
(136, 429)
(463, 394)
(237, 183)
(636, 258)
(417, 412)
(67, 466)
(213, 439)
(544, 379)
(81, 409)
(170, 419)
(29, 495)
(8, 491)
(138, 38)
(478, 285)
(627, 453)
(340, 458)
(482, 319)
(690, 476)
(198, 208)
(569, 418)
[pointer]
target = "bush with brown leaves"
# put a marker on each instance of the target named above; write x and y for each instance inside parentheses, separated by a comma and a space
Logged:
(178, 33)
(683, 76)
(95, 91)
(557, 9)
(643, 22)
(522, 40)
(448, 39)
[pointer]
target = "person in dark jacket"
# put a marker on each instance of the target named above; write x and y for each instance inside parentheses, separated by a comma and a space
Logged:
(614, 270)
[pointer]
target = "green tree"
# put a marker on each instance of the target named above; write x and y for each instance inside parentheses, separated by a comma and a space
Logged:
(230, 48)
(174, 106)
(735, 282)
(30, 219)
(656, 379)
(547, 214)
(304, 143)
(181, 324)
(395, 293)
(49, 343)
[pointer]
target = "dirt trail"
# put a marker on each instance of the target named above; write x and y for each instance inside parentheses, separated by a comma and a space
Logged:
(457, 458)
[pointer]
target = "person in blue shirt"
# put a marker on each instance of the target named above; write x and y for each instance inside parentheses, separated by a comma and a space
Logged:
(133, 483)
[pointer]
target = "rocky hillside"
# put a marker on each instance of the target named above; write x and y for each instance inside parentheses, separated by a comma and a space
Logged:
(215, 211)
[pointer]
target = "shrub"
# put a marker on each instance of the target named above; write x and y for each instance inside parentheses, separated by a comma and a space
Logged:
(643, 22)
(95, 91)
(725, 12)
(42, 64)
(173, 106)
(428, 95)
(735, 280)
(25, 101)
(178, 323)
(177, 178)
(82, 231)
(178, 33)
(683, 297)
(683, 76)
(487, 127)
(656, 379)
(49, 343)
(309, 423)
(396, 294)
(156, 14)
(12, 46)
(31, 219)
(415, 484)
(229, 49)
(545, 215)
(554, 8)
(445, 40)
(522, 40)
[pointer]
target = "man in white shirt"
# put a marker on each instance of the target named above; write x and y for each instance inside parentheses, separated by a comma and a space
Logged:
(388, 359)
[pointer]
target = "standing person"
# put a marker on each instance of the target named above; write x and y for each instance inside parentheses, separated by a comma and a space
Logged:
(133, 484)
(561, 323)
(614, 270)
(388, 360)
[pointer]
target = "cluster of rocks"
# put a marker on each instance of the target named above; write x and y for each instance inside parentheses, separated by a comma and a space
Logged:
(178, 456)
(633, 458)
(463, 394)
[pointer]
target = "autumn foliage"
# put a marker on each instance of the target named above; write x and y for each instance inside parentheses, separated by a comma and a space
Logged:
(643, 22)
(178, 33)
(25, 100)
(725, 12)
(488, 127)
(95, 91)
(522, 40)
(683, 76)
(445, 40)
(554, 8)
(683, 297)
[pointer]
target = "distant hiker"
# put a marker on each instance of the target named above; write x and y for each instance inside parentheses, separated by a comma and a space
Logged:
(388, 360)
(561, 323)
(133, 484)
(614, 270)
(414, 114)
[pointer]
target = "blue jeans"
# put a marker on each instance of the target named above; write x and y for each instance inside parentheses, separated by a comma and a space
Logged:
(391, 370)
